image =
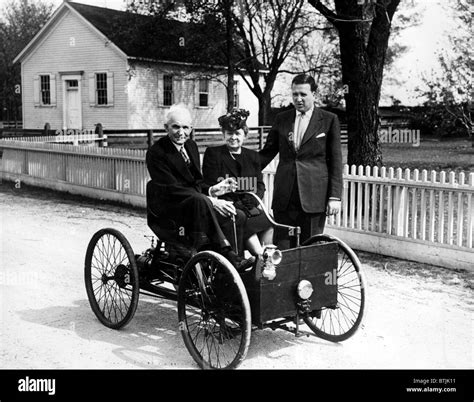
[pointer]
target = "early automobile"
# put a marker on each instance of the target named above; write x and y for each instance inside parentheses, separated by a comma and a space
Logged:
(317, 283)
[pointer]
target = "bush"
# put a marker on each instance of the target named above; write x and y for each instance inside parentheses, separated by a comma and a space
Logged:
(436, 121)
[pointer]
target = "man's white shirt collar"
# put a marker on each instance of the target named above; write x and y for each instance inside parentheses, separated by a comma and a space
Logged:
(307, 113)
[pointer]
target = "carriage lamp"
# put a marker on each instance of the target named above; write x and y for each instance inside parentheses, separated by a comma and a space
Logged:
(304, 289)
(271, 258)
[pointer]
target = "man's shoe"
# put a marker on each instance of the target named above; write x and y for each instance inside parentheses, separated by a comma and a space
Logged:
(245, 264)
(238, 262)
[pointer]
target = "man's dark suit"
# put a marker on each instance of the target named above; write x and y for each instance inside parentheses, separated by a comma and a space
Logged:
(307, 178)
(179, 193)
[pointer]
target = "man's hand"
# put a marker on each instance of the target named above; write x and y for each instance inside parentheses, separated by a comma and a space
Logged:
(223, 187)
(333, 208)
(225, 208)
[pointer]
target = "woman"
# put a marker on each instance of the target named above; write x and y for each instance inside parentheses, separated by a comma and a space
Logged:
(243, 164)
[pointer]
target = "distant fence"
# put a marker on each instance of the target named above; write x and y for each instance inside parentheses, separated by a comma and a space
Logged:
(11, 124)
(62, 139)
(205, 137)
(426, 217)
(143, 138)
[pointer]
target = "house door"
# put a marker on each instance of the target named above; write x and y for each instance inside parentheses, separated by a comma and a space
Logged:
(73, 115)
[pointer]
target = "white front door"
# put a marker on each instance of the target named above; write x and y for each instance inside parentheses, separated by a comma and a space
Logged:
(73, 104)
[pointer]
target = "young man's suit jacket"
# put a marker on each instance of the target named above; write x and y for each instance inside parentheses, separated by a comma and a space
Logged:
(316, 166)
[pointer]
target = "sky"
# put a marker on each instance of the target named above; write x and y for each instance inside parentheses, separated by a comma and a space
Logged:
(420, 58)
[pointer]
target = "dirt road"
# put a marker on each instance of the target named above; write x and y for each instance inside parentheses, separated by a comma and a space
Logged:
(418, 316)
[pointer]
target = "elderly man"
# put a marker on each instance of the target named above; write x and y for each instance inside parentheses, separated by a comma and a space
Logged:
(180, 193)
(308, 179)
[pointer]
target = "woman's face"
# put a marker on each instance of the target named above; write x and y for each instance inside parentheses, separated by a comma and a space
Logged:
(234, 139)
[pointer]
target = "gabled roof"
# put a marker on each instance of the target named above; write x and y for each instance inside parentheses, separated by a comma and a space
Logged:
(143, 37)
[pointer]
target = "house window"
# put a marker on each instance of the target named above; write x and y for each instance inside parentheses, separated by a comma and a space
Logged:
(203, 92)
(236, 94)
(167, 90)
(101, 88)
(45, 88)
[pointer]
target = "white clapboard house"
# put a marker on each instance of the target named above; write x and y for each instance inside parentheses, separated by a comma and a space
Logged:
(82, 68)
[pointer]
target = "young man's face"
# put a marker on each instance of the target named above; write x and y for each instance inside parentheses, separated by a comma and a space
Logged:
(179, 127)
(303, 97)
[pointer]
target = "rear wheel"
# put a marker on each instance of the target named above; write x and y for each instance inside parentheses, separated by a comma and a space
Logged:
(214, 312)
(337, 323)
(111, 278)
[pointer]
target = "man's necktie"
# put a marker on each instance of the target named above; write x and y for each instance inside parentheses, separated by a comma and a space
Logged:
(299, 132)
(185, 157)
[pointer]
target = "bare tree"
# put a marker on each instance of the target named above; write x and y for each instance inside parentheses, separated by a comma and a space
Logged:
(269, 32)
(452, 88)
(21, 21)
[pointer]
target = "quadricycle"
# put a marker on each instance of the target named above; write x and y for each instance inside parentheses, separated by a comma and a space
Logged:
(318, 284)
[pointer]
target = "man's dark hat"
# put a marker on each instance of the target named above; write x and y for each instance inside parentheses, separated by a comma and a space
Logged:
(234, 120)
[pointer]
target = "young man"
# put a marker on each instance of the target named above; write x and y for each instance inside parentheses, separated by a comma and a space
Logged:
(308, 179)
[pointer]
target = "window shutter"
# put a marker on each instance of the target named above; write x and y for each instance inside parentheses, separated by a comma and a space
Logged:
(214, 88)
(92, 89)
(178, 88)
(110, 88)
(52, 88)
(196, 92)
(36, 90)
(160, 90)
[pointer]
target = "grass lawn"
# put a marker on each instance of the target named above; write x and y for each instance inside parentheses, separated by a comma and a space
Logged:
(455, 155)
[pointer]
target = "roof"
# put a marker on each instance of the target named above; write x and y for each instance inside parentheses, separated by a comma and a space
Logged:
(150, 38)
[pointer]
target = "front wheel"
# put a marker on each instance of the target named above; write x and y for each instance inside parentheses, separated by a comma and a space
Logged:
(337, 323)
(214, 312)
(111, 278)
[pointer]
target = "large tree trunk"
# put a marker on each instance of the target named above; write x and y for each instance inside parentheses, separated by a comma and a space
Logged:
(361, 104)
(364, 30)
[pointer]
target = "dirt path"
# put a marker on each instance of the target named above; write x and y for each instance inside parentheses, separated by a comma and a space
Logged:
(418, 316)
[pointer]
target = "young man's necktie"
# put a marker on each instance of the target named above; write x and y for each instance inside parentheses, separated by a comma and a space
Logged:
(299, 132)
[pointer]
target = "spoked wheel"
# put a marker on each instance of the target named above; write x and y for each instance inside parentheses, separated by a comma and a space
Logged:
(111, 278)
(337, 323)
(214, 312)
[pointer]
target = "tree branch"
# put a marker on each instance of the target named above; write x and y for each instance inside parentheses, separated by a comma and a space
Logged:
(330, 15)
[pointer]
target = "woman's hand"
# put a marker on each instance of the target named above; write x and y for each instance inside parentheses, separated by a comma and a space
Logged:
(223, 187)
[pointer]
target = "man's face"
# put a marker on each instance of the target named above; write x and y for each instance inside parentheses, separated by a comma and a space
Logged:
(179, 127)
(303, 97)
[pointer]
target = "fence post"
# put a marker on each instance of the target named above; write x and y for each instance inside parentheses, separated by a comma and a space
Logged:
(149, 138)
(399, 206)
(46, 129)
(103, 138)
(260, 137)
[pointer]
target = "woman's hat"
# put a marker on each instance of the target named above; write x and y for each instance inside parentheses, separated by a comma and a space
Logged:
(234, 120)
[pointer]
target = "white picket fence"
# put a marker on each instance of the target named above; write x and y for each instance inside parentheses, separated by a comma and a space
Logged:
(423, 216)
